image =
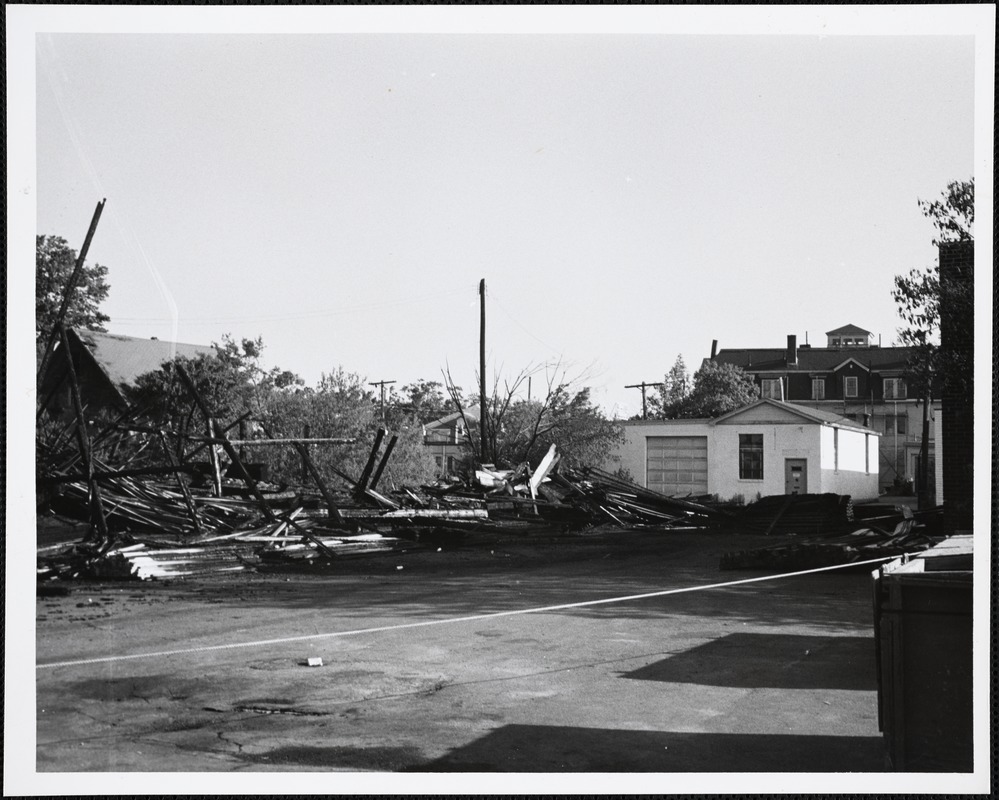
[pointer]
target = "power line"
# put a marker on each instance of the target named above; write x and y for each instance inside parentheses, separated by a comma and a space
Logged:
(297, 315)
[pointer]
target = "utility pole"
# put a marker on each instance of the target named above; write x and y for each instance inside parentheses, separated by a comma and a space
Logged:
(382, 384)
(643, 385)
(482, 368)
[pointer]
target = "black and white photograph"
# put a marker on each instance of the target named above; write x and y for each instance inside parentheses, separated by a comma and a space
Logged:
(499, 399)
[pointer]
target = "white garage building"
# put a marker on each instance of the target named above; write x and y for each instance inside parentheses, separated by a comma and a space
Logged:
(765, 448)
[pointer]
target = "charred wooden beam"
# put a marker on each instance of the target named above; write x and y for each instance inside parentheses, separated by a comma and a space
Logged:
(381, 465)
(97, 518)
(178, 473)
(362, 482)
(229, 449)
(99, 474)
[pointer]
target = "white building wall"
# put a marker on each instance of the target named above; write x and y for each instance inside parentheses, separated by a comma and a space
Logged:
(828, 440)
(852, 455)
(849, 463)
(780, 441)
(813, 442)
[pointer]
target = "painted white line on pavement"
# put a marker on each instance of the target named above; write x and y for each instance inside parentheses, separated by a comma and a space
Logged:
(450, 620)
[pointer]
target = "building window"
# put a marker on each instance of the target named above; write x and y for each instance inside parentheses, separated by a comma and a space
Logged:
(772, 388)
(450, 465)
(818, 389)
(751, 456)
(896, 423)
(894, 389)
(850, 386)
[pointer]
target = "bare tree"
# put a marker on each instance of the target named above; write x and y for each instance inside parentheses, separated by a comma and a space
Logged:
(518, 429)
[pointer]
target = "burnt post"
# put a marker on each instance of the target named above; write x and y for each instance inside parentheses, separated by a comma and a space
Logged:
(97, 519)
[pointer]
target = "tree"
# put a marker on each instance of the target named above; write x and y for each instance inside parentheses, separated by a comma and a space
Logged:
(522, 430)
(342, 407)
(672, 393)
(579, 430)
(55, 261)
(245, 358)
(932, 368)
(232, 382)
(718, 389)
(422, 400)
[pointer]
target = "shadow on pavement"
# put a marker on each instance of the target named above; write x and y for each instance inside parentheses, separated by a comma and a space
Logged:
(765, 660)
(534, 748)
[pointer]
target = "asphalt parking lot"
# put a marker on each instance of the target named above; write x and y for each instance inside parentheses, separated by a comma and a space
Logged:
(426, 670)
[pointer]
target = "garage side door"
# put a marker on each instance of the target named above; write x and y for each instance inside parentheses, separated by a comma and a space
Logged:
(677, 465)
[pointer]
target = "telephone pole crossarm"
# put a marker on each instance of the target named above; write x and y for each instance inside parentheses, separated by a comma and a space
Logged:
(382, 385)
(643, 386)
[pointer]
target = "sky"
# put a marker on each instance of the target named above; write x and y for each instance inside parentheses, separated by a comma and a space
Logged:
(631, 183)
(627, 197)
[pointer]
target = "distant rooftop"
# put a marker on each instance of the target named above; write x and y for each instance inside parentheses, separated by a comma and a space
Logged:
(124, 358)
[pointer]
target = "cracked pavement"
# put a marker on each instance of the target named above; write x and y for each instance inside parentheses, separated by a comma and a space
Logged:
(776, 676)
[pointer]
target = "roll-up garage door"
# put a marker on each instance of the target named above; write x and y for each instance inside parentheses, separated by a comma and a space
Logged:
(677, 465)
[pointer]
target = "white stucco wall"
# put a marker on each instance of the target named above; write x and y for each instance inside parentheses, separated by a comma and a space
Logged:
(780, 441)
(821, 446)
(849, 463)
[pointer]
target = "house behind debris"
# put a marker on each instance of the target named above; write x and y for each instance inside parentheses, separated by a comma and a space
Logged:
(766, 448)
(105, 364)
(447, 439)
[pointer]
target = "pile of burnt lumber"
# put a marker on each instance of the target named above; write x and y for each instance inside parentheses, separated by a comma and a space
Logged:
(803, 514)
(601, 496)
(863, 544)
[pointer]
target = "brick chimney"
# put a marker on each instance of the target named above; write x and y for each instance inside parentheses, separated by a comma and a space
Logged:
(792, 350)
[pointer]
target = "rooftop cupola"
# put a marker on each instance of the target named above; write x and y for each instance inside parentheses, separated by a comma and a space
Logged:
(849, 336)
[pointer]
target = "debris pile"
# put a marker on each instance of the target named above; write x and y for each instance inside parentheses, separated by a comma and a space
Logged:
(178, 519)
(910, 534)
(803, 514)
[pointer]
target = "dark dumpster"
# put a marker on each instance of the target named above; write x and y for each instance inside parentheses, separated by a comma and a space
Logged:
(923, 631)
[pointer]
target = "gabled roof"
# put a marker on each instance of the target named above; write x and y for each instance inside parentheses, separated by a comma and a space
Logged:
(471, 413)
(848, 330)
(814, 359)
(124, 358)
(819, 416)
(840, 366)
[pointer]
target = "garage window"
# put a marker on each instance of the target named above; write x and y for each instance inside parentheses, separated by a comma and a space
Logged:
(751, 456)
